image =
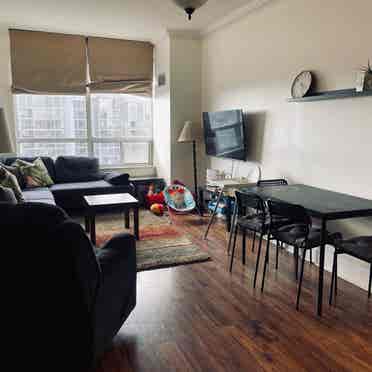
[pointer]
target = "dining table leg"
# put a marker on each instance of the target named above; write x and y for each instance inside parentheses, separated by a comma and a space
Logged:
(321, 266)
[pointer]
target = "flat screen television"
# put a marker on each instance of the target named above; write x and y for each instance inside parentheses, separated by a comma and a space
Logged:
(224, 134)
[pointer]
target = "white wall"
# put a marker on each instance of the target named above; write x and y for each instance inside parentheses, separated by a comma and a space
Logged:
(185, 52)
(251, 64)
(162, 111)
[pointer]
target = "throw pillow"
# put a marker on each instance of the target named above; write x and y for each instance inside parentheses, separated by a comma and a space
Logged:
(7, 196)
(35, 173)
(9, 180)
(17, 172)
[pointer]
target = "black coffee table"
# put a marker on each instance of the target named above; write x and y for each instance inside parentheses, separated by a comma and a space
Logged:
(110, 202)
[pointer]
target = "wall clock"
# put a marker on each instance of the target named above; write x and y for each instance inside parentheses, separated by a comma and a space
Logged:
(301, 84)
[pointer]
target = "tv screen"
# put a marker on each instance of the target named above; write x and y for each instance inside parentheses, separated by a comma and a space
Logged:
(224, 134)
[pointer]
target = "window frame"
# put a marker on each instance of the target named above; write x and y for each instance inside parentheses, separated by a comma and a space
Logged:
(90, 140)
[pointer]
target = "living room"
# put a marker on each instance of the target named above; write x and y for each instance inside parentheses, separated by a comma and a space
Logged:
(110, 97)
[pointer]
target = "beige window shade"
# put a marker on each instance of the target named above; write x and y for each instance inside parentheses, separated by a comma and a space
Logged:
(44, 62)
(120, 66)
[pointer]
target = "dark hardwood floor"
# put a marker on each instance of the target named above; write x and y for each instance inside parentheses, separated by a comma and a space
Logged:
(201, 318)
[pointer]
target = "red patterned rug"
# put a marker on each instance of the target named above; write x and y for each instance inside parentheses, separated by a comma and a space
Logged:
(161, 245)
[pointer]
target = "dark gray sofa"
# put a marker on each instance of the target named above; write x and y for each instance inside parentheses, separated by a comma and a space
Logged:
(62, 302)
(74, 177)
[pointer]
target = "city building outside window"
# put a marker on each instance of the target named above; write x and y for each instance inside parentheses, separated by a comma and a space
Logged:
(118, 129)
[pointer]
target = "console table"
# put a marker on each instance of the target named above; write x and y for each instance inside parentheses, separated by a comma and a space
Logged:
(225, 187)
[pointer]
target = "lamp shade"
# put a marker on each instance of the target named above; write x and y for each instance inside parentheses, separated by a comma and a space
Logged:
(187, 133)
(6, 145)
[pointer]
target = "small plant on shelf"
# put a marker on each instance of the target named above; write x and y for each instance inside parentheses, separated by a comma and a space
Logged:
(367, 71)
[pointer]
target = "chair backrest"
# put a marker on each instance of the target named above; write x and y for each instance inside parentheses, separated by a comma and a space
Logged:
(274, 182)
(296, 214)
(248, 201)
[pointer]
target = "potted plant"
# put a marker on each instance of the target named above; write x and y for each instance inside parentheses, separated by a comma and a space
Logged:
(365, 78)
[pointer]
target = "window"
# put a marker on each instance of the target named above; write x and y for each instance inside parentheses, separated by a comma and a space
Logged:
(118, 130)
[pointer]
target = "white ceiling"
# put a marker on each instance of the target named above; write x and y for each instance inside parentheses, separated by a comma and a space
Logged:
(134, 19)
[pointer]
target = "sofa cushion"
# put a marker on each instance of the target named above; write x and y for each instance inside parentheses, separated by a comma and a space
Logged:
(70, 195)
(48, 162)
(77, 169)
(80, 187)
(39, 195)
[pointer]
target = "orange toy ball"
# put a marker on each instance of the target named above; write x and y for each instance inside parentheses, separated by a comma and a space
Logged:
(157, 209)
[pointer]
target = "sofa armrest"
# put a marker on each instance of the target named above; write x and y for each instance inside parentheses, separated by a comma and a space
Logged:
(117, 292)
(117, 179)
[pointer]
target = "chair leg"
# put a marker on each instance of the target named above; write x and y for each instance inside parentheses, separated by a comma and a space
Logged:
(243, 246)
(258, 260)
(266, 263)
(254, 241)
(233, 248)
(370, 282)
(333, 278)
(295, 256)
(300, 282)
(277, 255)
(311, 256)
(336, 275)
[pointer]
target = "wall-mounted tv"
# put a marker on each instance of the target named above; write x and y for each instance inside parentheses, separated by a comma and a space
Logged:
(224, 134)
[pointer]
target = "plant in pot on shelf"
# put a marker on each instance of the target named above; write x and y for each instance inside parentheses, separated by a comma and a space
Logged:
(365, 78)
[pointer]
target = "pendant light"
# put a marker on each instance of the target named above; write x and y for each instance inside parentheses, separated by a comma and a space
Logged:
(189, 6)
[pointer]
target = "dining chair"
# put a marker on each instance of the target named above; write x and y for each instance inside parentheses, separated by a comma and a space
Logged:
(298, 233)
(268, 183)
(252, 216)
(358, 247)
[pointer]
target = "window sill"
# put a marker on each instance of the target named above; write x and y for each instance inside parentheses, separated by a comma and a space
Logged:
(134, 170)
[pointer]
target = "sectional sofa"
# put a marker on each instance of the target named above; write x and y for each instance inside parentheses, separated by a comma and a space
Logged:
(73, 178)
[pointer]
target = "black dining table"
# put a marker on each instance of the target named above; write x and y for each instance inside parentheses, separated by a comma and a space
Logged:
(322, 204)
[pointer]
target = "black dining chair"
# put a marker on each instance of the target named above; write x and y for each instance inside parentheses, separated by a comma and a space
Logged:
(298, 233)
(359, 247)
(252, 216)
(268, 183)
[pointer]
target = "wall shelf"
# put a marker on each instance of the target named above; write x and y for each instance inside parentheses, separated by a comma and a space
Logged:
(332, 94)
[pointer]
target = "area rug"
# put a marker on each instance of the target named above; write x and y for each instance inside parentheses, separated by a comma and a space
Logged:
(161, 245)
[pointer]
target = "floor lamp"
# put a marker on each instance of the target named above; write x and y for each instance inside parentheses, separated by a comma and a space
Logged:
(188, 134)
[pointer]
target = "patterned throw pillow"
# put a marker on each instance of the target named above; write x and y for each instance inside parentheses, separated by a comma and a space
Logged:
(17, 172)
(9, 180)
(35, 173)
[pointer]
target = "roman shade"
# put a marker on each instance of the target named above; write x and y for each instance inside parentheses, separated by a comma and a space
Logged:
(120, 66)
(48, 63)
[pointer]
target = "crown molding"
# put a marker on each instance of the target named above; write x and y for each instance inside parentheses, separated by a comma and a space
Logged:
(234, 16)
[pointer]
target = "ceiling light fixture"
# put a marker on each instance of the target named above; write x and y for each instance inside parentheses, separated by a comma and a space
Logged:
(189, 6)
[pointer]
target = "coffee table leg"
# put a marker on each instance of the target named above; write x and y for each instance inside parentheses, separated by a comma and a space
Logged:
(87, 224)
(136, 223)
(93, 229)
(127, 219)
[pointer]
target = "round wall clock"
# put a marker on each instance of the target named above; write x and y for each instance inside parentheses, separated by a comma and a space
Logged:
(301, 84)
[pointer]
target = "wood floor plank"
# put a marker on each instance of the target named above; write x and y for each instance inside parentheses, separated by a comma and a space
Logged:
(202, 318)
